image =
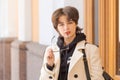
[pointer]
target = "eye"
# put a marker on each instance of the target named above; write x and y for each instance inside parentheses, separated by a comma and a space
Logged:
(60, 24)
(70, 22)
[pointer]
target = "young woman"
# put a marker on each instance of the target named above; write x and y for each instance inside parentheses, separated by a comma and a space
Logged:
(64, 61)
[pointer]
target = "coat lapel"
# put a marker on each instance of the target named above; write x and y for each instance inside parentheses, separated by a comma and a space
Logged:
(77, 54)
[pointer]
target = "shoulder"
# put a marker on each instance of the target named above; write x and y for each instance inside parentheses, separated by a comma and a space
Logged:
(89, 45)
(92, 49)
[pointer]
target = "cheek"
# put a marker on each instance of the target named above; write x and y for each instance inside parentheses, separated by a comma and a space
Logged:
(61, 32)
(58, 31)
(73, 30)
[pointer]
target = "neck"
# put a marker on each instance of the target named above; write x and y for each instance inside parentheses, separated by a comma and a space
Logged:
(69, 40)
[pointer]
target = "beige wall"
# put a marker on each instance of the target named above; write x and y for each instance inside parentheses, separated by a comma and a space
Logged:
(13, 18)
(35, 18)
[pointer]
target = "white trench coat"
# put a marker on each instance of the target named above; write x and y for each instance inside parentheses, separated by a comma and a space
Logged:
(76, 67)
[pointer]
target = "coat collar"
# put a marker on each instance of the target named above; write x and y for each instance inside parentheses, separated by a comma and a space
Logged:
(77, 54)
(80, 45)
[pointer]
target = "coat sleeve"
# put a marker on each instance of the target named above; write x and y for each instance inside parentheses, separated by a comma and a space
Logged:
(45, 73)
(95, 64)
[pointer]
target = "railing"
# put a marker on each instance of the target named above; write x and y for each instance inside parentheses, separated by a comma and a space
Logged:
(20, 60)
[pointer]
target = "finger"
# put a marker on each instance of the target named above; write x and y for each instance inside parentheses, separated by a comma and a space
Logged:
(50, 55)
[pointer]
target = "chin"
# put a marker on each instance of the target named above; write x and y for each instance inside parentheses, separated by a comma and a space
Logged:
(67, 36)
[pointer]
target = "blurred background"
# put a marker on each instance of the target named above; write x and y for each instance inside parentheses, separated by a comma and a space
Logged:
(26, 30)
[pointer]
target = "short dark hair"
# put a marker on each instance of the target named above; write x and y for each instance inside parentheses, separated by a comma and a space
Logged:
(69, 11)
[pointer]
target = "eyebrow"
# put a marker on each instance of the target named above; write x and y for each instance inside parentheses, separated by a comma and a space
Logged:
(67, 21)
(59, 22)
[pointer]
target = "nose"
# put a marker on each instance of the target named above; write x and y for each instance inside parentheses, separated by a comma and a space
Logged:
(66, 27)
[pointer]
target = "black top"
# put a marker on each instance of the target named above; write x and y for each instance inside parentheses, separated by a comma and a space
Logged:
(66, 54)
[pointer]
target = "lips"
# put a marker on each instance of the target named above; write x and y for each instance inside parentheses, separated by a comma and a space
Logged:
(68, 32)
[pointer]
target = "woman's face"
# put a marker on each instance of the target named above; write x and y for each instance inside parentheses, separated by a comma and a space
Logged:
(66, 29)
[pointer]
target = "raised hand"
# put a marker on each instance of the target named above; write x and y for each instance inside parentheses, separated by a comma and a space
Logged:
(50, 57)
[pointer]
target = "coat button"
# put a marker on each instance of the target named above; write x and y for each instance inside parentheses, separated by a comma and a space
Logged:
(50, 77)
(76, 76)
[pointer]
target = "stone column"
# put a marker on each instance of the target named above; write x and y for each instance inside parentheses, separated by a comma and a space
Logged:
(5, 58)
(18, 60)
